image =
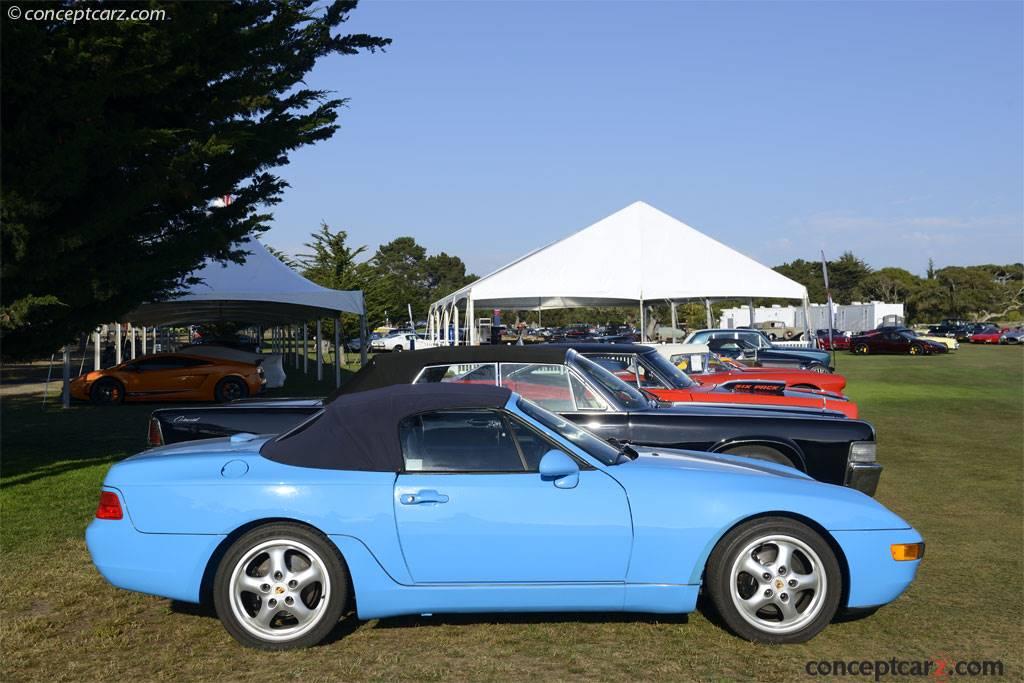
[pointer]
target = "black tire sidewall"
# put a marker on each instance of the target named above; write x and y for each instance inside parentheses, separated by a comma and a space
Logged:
(719, 582)
(104, 382)
(337, 570)
(218, 391)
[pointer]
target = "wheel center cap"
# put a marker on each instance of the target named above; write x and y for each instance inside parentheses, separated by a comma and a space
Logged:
(779, 583)
(279, 590)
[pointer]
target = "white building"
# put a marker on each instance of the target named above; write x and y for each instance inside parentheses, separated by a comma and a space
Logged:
(855, 317)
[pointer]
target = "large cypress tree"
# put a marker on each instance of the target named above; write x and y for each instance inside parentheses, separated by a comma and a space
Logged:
(118, 137)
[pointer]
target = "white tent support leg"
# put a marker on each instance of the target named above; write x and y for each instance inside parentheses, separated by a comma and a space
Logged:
(337, 352)
(305, 348)
(707, 311)
(675, 320)
(455, 319)
(643, 323)
(96, 350)
(750, 307)
(117, 343)
(471, 331)
(131, 341)
(65, 396)
(145, 346)
(319, 351)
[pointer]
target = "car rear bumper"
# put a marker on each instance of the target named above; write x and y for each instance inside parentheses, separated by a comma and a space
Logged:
(168, 565)
(863, 476)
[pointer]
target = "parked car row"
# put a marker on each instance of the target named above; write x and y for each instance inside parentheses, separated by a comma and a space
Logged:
(514, 478)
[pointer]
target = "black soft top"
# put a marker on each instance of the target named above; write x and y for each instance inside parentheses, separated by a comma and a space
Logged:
(360, 431)
(385, 370)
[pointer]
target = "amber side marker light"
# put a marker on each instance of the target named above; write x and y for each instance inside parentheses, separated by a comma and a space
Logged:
(902, 552)
(109, 507)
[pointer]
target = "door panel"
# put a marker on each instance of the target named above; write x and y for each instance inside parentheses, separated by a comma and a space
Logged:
(512, 528)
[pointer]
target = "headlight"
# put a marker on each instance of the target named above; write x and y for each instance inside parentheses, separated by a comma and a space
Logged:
(863, 451)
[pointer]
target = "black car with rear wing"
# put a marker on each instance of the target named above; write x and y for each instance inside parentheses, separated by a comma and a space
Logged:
(825, 445)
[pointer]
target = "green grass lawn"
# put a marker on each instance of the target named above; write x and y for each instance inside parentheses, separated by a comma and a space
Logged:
(950, 432)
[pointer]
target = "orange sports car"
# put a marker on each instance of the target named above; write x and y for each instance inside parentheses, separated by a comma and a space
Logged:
(170, 377)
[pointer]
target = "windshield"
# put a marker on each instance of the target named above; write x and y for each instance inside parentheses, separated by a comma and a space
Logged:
(661, 365)
(628, 397)
(576, 435)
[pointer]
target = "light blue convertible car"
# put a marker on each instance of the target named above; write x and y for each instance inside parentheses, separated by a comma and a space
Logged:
(419, 499)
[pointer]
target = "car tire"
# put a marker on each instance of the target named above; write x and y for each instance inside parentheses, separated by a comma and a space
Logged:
(759, 452)
(862, 349)
(398, 348)
(800, 595)
(818, 368)
(267, 574)
(917, 350)
(230, 389)
(106, 392)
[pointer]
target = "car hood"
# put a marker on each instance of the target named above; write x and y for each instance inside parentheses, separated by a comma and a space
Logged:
(671, 458)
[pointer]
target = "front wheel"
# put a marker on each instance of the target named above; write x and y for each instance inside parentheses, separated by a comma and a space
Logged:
(916, 350)
(107, 392)
(398, 348)
(774, 580)
(862, 349)
(281, 586)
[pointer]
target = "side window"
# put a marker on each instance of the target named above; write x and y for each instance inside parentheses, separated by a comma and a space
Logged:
(463, 373)
(585, 397)
(458, 441)
(546, 384)
(754, 340)
(532, 445)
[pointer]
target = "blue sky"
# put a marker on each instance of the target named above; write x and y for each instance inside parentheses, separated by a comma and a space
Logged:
(487, 129)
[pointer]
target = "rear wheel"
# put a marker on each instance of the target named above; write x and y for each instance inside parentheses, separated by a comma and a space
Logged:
(107, 391)
(774, 580)
(398, 348)
(862, 348)
(281, 586)
(230, 389)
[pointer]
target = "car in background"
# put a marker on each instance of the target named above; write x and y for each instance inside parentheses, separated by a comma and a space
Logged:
(776, 330)
(400, 340)
(272, 363)
(838, 341)
(824, 444)
(753, 347)
(706, 367)
(1012, 336)
(644, 367)
(239, 342)
(894, 340)
(450, 498)
(985, 333)
(171, 377)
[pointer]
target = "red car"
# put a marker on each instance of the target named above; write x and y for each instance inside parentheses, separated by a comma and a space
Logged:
(649, 370)
(840, 340)
(986, 334)
(712, 369)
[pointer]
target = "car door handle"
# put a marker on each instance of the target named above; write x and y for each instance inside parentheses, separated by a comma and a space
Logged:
(422, 497)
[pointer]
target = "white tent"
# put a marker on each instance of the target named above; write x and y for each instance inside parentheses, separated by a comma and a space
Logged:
(636, 255)
(259, 291)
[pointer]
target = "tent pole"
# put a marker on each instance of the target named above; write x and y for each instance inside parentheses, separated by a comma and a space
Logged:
(117, 343)
(337, 352)
(471, 336)
(643, 322)
(66, 391)
(707, 311)
(362, 339)
(319, 352)
(145, 345)
(96, 350)
(305, 348)
(675, 320)
(750, 307)
(131, 339)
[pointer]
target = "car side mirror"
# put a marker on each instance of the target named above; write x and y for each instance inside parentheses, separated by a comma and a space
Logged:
(559, 468)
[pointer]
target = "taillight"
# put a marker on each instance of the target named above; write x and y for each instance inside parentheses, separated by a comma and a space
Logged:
(109, 507)
(156, 433)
